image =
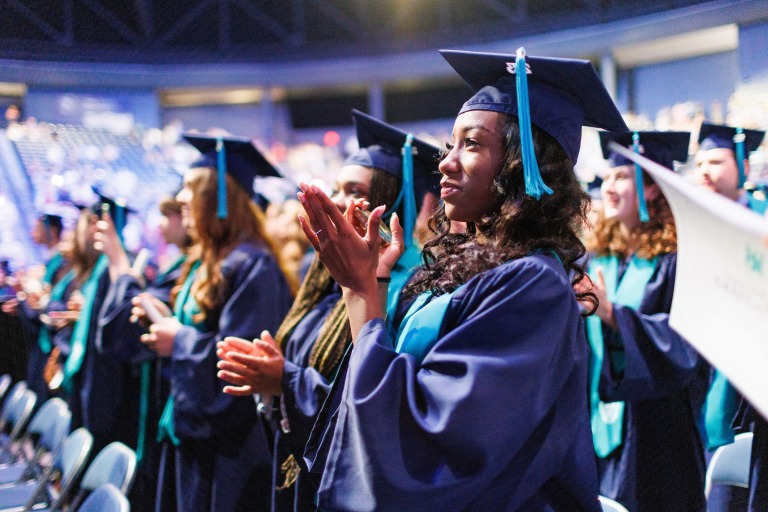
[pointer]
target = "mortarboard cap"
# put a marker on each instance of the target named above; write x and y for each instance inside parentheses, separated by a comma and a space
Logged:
(413, 161)
(117, 208)
(557, 95)
(740, 141)
(664, 148)
(236, 156)
(712, 136)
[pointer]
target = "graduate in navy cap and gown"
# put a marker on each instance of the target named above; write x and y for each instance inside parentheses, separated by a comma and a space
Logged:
(119, 338)
(301, 362)
(477, 402)
(722, 166)
(98, 388)
(215, 450)
(647, 383)
(46, 232)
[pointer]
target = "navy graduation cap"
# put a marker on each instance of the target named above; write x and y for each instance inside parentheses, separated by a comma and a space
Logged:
(408, 158)
(557, 95)
(236, 156)
(664, 148)
(116, 206)
(739, 140)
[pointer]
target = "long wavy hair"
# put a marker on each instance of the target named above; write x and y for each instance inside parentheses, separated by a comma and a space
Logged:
(656, 237)
(518, 226)
(214, 238)
(84, 255)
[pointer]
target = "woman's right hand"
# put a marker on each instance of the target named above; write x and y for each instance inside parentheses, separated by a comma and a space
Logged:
(252, 367)
(139, 314)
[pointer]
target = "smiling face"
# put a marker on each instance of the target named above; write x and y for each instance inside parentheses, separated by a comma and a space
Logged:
(717, 171)
(352, 182)
(620, 195)
(474, 159)
(184, 197)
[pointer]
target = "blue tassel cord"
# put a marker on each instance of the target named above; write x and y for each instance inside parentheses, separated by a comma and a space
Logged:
(221, 171)
(738, 141)
(534, 184)
(642, 206)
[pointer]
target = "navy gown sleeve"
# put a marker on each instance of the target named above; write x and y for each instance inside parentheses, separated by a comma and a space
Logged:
(658, 361)
(494, 418)
(258, 299)
(116, 335)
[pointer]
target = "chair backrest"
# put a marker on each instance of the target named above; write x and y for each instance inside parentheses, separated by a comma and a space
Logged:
(5, 384)
(115, 464)
(13, 396)
(19, 414)
(730, 464)
(51, 423)
(106, 498)
(611, 506)
(70, 461)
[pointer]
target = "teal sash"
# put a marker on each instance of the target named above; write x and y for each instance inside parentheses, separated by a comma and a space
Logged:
(185, 310)
(146, 371)
(52, 266)
(82, 326)
(400, 274)
(420, 328)
(57, 294)
(718, 412)
(608, 418)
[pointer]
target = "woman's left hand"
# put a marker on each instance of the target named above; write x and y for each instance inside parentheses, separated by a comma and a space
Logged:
(351, 259)
(253, 367)
(161, 335)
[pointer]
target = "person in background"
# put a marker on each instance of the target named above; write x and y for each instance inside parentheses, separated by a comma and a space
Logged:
(461, 409)
(215, 453)
(647, 383)
(299, 366)
(119, 338)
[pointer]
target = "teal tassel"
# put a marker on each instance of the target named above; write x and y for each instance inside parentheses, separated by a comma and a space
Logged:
(642, 206)
(534, 184)
(408, 193)
(221, 172)
(119, 220)
(739, 142)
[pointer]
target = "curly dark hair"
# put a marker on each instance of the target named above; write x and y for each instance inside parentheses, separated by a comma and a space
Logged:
(655, 237)
(519, 226)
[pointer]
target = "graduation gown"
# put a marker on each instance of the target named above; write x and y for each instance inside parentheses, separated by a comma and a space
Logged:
(119, 338)
(493, 418)
(660, 464)
(103, 394)
(304, 391)
(223, 461)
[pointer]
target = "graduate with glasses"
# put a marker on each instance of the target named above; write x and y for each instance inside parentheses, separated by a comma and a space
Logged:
(478, 401)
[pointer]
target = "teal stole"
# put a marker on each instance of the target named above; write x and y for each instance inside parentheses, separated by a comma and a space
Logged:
(420, 327)
(409, 260)
(56, 261)
(146, 375)
(57, 294)
(185, 310)
(608, 418)
(79, 341)
(718, 412)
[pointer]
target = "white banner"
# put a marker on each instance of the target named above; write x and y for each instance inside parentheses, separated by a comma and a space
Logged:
(720, 303)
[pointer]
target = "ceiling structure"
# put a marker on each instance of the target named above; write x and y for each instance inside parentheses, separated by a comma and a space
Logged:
(270, 31)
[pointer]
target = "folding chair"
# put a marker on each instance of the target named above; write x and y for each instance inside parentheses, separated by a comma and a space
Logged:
(13, 396)
(609, 505)
(115, 464)
(66, 469)
(5, 385)
(106, 498)
(730, 464)
(17, 417)
(47, 431)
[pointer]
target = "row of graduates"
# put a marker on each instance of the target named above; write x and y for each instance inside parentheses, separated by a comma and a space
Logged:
(453, 382)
